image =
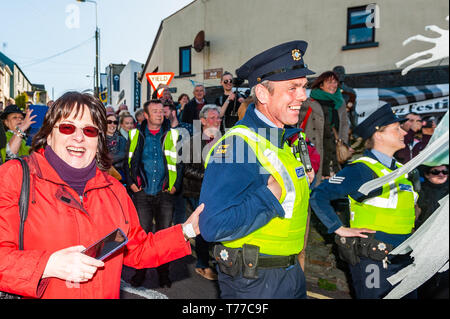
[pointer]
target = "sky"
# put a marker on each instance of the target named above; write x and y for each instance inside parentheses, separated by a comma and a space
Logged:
(53, 41)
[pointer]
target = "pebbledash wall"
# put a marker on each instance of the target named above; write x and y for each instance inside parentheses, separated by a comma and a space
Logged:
(236, 30)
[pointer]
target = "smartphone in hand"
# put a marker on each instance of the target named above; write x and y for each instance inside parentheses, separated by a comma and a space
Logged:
(106, 246)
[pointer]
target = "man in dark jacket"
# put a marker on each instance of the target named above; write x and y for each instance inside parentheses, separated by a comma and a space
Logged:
(192, 109)
(152, 178)
(194, 169)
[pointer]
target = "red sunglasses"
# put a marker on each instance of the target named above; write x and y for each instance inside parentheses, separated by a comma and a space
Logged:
(68, 129)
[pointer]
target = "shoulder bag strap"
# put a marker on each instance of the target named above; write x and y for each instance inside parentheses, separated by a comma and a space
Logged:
(305, 120)
(24, 198)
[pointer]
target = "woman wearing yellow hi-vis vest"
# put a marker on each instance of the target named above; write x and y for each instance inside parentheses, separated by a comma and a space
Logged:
(153, 177)
(380, 220)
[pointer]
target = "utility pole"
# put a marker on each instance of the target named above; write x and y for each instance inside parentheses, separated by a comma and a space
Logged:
(97, 39)
(97, 54)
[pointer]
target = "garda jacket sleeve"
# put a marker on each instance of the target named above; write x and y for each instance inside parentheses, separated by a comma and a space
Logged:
(237, 200)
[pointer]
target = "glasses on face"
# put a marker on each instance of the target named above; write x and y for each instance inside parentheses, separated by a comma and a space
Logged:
(112, 122)
(437, 172)
(215, 118)
(68, 129)
(227, 81)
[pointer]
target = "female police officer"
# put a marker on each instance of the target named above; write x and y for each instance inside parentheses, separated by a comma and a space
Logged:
(386, 215)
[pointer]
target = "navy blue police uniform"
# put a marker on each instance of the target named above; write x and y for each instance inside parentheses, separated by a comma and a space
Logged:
(369, 277)
(234, 189)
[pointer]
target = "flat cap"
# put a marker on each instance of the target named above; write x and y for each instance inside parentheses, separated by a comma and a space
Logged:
(282, 62)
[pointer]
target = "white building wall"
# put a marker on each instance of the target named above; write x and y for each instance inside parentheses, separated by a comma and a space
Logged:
(21, 84)
(239, 29)
(127, 85)
(5, 84)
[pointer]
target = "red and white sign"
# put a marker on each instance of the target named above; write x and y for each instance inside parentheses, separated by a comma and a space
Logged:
(157, 79)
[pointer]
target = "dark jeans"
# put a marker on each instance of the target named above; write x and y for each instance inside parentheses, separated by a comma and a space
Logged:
(179, 209)
(155, 213)
(201, 246)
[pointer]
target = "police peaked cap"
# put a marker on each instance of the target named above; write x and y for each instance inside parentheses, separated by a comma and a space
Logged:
(282, 62)
(381, 117)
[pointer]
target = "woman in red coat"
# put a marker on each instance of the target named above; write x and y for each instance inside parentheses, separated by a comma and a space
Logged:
(74, 203)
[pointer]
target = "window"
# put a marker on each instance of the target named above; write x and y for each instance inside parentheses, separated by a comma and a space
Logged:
(116, 82)
(361, 27)
(185, 60)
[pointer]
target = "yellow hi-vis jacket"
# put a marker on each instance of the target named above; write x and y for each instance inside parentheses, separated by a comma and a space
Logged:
(170, 152)
(393, 211)
(281, 236)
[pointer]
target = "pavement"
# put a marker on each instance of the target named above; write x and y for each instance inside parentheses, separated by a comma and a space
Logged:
(326, 277)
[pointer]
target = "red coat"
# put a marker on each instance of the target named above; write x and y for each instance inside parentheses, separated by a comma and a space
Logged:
(58, 218)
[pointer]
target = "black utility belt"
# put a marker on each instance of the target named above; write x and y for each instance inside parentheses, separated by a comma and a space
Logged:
(351, 248)
(247, 260)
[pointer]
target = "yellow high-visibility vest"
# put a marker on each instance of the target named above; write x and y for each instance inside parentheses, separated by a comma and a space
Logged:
(281, 236)
(393, 211)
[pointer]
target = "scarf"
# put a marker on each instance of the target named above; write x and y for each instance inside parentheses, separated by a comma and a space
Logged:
(336, 98)
(76, 178)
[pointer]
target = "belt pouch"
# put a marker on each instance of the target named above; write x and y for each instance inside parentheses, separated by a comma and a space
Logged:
(374, 249)
(228, 259)
(364, 247)
(250, 255)
(347, 248)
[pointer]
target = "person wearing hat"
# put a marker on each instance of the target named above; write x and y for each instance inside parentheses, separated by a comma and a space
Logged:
(380, 220)
(255, 190)
(15, 123)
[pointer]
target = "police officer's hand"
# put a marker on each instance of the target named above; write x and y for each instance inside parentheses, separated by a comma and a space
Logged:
(173, 190)
(274, 187)
(353, 232)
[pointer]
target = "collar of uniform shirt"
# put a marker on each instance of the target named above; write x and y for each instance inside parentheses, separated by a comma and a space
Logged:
(263, 118)
(384, 159)
(289, 131)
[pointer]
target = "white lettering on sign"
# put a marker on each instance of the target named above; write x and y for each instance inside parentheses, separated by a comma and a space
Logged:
(428, 106)
(157, 79)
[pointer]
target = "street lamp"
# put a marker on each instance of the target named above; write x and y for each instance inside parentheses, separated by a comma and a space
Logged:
(97, 58)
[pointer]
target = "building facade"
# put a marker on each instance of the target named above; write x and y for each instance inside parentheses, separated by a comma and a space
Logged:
(130, 87)
(18, 82)
(5, 83)
(21, 82)
(366, 38)
(113, 83)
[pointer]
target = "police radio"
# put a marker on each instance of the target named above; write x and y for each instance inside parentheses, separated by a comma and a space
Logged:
(302, 149)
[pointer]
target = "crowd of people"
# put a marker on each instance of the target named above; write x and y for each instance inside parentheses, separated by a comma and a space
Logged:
(94, 168)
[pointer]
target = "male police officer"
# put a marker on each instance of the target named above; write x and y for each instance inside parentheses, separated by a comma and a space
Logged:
(255, 190)
(379, 221)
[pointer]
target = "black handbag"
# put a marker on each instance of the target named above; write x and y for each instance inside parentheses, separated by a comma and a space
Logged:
(23, 209)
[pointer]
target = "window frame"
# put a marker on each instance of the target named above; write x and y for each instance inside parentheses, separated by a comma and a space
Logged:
(366, 44)
(180, 56)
